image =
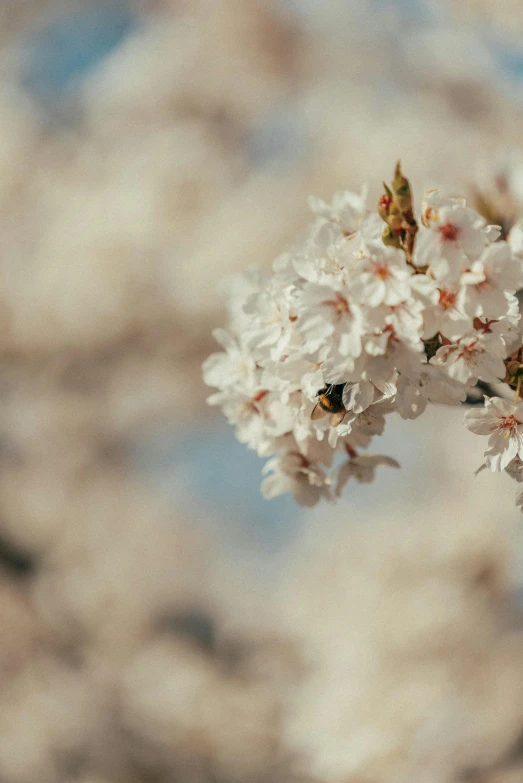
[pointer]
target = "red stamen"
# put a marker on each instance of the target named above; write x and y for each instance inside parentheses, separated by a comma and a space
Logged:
(483, 327)
(509, 424)
(449, 232)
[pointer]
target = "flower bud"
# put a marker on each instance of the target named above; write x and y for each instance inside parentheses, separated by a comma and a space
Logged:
(385, 203)
(394, 218)
(401, 190)
(390, 239)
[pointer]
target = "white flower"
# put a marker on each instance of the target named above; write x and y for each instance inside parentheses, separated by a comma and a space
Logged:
(323, 258)
(494, 275)
(325, 318)
(294, 373)
(233, 369)
(447, 316)
(404, 320)
(431, 384)
(474, 357)
(269, 328)
(506, 327)
(455, 231)
(248, 416)
(372, 420)
(503, 422)
(380, 276)
(346, 211)
(236, 290)
(293, 472)
(386, 356)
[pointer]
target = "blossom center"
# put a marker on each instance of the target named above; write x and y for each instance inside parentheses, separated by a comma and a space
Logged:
(447, 299)
(339, 303)
(509, 424)
(470, 354)
(382, 271)
(449, 232)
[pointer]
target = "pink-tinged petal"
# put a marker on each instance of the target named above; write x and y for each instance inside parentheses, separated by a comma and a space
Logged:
(480, 422)
(502, 407)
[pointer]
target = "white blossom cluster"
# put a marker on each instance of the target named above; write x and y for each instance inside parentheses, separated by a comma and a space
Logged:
(349, 329)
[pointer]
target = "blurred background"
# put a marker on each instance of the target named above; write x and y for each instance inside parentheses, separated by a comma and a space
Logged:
(159, 621)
